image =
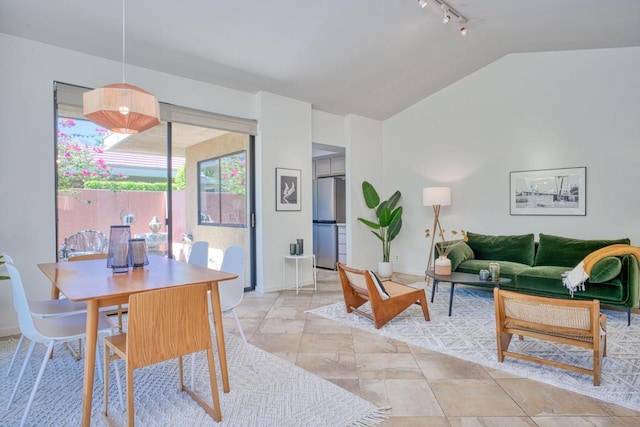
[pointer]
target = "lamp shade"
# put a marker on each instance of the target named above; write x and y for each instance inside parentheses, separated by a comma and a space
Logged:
(121, 108)
(436, 196)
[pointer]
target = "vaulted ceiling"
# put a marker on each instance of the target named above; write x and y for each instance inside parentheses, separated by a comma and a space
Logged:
(368, 57)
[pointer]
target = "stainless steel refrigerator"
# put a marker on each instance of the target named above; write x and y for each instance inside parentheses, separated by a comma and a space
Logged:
(328, 211)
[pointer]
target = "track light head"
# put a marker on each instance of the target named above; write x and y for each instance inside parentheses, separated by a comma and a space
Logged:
(463, 30)
(422, 3)
(446, 18)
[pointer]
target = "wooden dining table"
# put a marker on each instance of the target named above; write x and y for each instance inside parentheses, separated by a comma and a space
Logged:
(91, 281)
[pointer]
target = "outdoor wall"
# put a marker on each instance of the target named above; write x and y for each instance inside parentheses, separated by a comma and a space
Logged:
(522, 112)
(219, 238)
(100, 209)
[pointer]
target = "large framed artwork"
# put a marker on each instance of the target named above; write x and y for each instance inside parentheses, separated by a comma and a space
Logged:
(288, 189)
(549, 192)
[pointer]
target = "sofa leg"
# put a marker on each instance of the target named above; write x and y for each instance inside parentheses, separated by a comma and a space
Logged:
(629, 316)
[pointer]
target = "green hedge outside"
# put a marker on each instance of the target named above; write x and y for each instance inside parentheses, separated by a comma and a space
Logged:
(127, 186)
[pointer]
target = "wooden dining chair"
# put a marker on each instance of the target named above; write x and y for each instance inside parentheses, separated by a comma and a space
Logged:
(163, 324)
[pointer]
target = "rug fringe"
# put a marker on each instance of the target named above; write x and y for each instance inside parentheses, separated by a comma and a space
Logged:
(373, 419)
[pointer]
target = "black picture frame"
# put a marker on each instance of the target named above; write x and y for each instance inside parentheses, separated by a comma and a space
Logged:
(288, 189)
(549, 192)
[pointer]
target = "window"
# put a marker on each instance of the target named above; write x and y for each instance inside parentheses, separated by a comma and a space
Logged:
(222, 189)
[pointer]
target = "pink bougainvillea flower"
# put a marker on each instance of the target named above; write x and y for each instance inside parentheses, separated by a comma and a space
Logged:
(85, 172)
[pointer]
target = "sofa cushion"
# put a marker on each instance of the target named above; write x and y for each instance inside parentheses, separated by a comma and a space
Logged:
(606, 269)
(518, 248)
(459, 253)
(567, 252)
(547, 280)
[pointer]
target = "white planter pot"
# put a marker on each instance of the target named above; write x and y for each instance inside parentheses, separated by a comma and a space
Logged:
(443, 266)
(385, 269)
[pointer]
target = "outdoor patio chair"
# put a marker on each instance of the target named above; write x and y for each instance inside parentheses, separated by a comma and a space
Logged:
(86, 242)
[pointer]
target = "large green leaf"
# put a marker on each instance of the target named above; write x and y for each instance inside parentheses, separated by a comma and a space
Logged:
(384, 214)
(370, 194)
(393, 200)
(394, 229)
(378, 235)
(368, 223)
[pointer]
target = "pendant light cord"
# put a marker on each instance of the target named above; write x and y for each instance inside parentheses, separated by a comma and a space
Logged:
(123, 40)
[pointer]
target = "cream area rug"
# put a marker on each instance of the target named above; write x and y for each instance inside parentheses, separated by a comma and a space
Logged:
(470, 335)
(279, 394)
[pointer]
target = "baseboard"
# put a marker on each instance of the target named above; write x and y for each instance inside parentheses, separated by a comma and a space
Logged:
(5, 332)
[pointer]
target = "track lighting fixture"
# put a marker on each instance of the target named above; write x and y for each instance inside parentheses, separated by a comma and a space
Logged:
(448, 11)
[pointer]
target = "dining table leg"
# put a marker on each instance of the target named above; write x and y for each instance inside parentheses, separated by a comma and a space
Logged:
(89, 360)
(217, 321)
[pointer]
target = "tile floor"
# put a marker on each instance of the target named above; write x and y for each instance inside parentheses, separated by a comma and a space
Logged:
(423, 388)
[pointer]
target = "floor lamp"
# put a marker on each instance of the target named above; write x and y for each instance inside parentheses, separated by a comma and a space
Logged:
(436, 197)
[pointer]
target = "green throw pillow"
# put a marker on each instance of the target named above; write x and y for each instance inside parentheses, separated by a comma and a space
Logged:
(518, 248)
(606, 269)
(566, 252)
(459, 253)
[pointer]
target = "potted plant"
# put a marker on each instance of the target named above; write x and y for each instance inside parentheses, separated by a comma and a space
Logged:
(388, 225)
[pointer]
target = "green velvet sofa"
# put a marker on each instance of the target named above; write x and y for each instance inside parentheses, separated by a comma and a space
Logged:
(536, 268)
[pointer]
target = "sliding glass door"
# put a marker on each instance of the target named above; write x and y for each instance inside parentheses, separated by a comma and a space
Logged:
(174, 184)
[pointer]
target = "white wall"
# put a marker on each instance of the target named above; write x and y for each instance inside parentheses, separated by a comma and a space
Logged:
(328, 128)
(284, 141)
(364, 163)
(522, 112)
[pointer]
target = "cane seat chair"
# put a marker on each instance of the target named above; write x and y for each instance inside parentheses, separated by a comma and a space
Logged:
(387, 300)
(572, 322)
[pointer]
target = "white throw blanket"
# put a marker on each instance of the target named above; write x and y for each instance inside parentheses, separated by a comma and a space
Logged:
(574, 279)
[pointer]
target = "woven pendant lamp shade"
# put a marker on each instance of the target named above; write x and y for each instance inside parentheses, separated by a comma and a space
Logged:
(122, 108)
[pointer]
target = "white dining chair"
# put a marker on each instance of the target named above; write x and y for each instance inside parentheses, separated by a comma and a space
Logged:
(199, 254)
(46, 308)
(48, 331)
(232, 291)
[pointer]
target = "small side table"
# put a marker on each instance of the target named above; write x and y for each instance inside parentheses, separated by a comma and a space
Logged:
(297, 259)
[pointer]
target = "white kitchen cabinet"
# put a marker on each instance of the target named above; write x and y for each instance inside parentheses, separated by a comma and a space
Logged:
(323, 167)
(337, 166)
(342, 244)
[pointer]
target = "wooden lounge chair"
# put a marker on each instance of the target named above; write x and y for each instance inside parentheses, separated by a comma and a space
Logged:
(358, 287)
(572, 322)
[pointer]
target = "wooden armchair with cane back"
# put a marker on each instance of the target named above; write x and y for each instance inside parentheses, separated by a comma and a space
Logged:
(387, 299)
(572, 322)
